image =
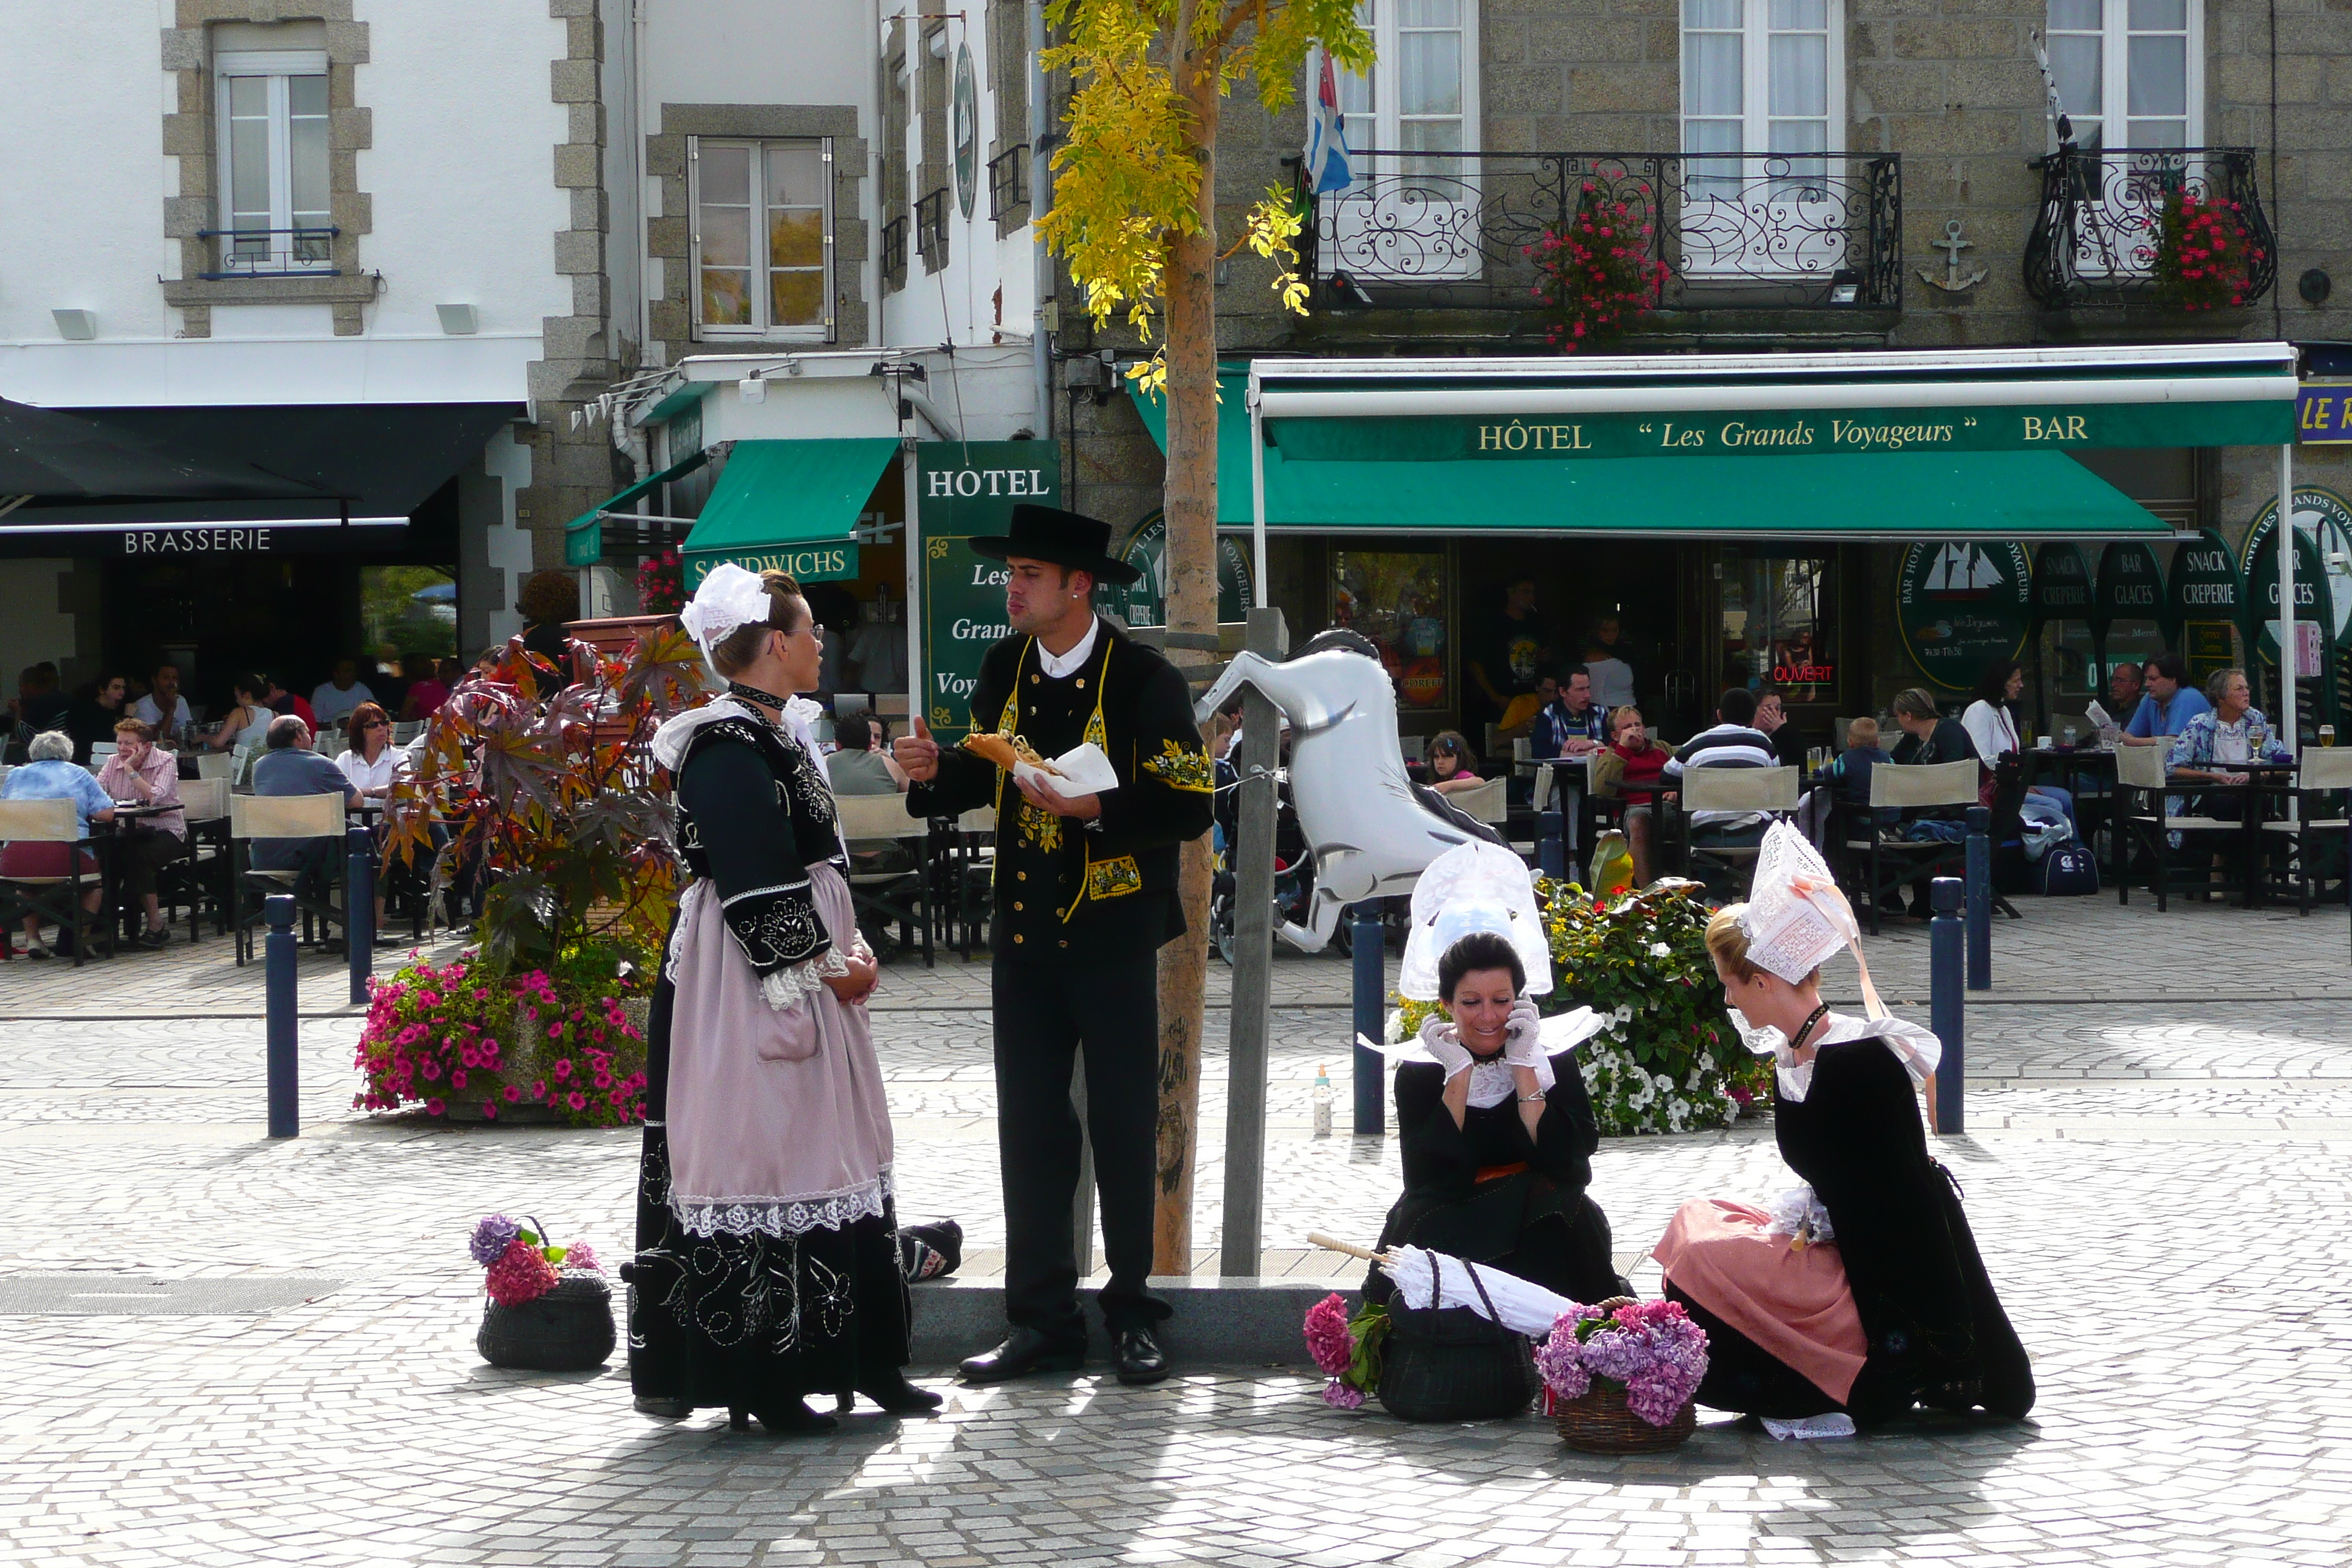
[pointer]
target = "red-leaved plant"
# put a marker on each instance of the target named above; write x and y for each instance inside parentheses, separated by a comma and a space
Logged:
(1598, 276)
(547, 789)
(2204, 257)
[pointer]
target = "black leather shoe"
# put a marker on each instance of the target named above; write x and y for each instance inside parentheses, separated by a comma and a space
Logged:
(1140, 1358)
(1024, 1351)
(899, 1397)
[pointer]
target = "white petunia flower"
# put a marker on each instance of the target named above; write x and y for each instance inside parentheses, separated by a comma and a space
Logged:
(1660, 949)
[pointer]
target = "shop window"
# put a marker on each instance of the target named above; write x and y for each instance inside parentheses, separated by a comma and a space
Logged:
(1776, 625)
(763, 237)
(270, 111)
(2129, 72)
(412, 608)
(1397, 598)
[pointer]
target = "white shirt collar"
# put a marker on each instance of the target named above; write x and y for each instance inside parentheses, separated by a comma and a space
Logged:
(1059, 665)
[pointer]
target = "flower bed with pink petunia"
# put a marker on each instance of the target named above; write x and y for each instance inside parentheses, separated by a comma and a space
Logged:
(462, 1040)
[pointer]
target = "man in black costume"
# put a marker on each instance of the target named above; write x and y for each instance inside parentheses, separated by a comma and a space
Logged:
(1084, 896)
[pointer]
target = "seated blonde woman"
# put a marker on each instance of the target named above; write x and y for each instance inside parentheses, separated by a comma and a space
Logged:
(1860, 1293)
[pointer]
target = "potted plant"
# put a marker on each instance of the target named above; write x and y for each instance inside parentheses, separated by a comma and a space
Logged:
(1666, 1059)
(549, 1308)
(551, 795)
(1618, 1377)
(1597, 274)
(2204, 257)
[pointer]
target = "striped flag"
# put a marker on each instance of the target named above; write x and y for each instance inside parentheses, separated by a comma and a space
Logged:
(1326, 137)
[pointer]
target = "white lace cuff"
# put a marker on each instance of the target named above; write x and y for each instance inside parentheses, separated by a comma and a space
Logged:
(785, 987)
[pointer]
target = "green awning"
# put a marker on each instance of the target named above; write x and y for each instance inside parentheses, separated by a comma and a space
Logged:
(583, 536)
(789, 506)
(1866, 495)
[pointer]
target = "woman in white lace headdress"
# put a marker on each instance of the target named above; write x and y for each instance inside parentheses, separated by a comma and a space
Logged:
(1861, 1293)
(1492, 1121)
(767, 1265)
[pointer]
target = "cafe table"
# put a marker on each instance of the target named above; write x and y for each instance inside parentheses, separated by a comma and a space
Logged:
(2264, 781)
(107, 839)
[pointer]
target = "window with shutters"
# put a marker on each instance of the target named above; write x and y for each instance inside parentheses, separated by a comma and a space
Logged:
(763, 237)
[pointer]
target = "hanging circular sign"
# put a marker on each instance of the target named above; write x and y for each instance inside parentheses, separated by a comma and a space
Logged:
(2131, 584)
(1144, 603)
(2322, 566)
(2205, 582)
(964, 127)
(1961, 605)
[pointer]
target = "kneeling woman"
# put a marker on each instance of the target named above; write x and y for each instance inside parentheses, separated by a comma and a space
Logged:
(1493, 1121)
(1862, 1292)
(767, 1265)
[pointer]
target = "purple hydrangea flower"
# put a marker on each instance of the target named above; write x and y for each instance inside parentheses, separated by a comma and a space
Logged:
(490, 1238)
(1339, 1396)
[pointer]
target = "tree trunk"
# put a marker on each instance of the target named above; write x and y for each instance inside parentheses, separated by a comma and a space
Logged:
(1191, 504)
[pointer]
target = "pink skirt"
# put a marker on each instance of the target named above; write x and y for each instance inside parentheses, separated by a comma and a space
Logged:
(43, 860)
(1792, 1302)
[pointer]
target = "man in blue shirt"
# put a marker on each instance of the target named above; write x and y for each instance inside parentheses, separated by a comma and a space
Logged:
(1570, 724)
(290, 767)
(2168, 705)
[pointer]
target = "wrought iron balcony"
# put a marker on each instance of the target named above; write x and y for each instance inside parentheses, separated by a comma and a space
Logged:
(2099, 238)
(271, 252)
(1740, 230)
(931, 229)
(1008, 180)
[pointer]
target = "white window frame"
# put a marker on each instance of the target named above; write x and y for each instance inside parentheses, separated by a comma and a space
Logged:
(2114, 77)
(1379, 19)
(1756, 79)
(1428, 194)
(277, 66)
(760, 329)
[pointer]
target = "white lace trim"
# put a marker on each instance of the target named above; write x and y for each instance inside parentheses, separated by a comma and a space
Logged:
(782, 1216)
(1797, 1213)
(785, 987)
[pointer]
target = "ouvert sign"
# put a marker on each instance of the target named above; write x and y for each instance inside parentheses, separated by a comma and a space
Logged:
(965, 490)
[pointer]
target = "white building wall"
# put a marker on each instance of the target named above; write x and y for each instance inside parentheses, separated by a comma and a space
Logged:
(464, 206)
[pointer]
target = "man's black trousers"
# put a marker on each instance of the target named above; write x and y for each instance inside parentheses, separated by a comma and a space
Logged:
(1046, 1014)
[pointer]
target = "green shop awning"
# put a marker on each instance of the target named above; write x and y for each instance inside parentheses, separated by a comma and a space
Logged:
(583, 536)
(1887, 445)
(788, 506)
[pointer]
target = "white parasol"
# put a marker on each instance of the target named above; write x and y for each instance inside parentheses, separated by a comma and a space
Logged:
(1424, 1277)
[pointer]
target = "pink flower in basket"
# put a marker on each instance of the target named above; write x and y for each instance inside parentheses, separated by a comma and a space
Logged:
(1651, 1348)
(522, 1274)
(1328, 1340)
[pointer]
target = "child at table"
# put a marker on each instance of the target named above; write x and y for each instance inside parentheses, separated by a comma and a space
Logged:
(1849, 773)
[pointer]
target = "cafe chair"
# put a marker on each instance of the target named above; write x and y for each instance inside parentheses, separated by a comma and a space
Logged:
(874, 826)
(2142, 819)
(217, 766)
(964, 873)
(1770, 792)
(1886, 862)
(252, 816)
(56, 897)
(201, 877)
(1486, 803)
(2323, 774)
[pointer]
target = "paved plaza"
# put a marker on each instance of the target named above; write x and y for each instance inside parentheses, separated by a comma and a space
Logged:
(263, 1352)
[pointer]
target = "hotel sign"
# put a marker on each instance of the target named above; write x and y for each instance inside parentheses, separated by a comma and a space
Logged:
(1961, 605)
(2322, 413)
(966, 489)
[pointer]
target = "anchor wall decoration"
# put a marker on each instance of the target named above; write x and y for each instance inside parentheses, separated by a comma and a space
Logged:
(1953, 281)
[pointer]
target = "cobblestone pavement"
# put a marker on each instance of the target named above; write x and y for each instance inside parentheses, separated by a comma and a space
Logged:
(2152, 1172)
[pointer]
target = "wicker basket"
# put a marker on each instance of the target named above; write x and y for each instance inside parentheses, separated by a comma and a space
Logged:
(570, 1328)
(1598, 1421)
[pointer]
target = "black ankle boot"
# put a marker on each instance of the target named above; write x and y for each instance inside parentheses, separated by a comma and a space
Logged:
(900, 1397)
(793, 1418)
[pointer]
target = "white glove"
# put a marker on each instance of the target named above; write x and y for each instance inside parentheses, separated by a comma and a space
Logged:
(1522, 1048)
(1443, 1042)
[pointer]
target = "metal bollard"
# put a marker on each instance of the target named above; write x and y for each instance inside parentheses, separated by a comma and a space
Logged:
(1980, 898)
(285, 1027)
(1948, 1005)
(359, 909)
(1551, 850)
(1372, 995)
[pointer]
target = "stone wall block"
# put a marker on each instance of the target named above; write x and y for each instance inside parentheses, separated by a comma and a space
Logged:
(1946, 39)
(1582, 41)
(572, 82)
(578, 164)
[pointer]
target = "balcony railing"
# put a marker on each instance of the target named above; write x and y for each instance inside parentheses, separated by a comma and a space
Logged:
(1008, 180)
(1746, 230)
(894, 251)
(931, 229)
(271, 252)
(2099, 235)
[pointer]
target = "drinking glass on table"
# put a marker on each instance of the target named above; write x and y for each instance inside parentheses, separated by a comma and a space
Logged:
(2327, 734)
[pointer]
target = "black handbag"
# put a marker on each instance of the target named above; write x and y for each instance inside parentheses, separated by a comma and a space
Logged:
(1448, 1364)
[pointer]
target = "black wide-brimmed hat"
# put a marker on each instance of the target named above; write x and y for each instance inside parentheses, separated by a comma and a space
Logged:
(1065, 538)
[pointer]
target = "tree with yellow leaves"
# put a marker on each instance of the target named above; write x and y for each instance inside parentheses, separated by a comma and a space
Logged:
(1134, 216)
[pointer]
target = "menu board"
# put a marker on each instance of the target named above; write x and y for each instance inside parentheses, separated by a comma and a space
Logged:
(966, 489)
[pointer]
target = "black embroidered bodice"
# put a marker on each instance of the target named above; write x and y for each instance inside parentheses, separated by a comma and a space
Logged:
(754, 813)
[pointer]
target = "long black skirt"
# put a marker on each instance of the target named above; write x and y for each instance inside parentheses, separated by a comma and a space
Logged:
(755, 1321)
(1528, 1224)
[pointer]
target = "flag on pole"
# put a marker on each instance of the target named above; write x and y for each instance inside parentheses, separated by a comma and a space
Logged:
(1326, 137)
